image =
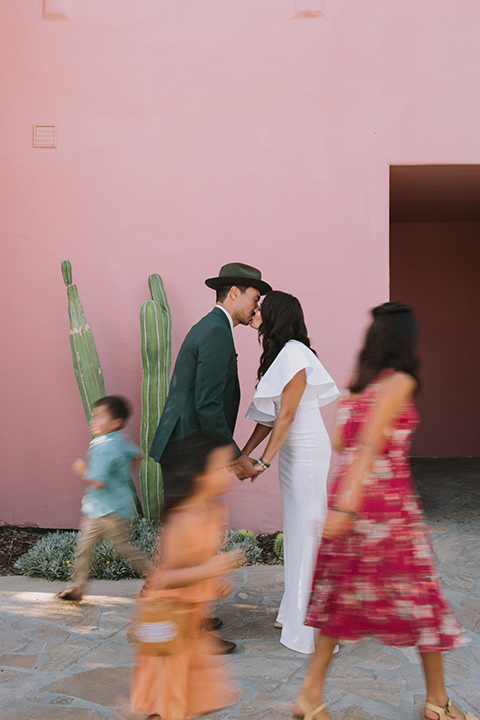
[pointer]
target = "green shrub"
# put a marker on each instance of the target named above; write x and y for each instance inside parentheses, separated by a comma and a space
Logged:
(278, 546)
(144, 534)
(52, 557)
(244, 540)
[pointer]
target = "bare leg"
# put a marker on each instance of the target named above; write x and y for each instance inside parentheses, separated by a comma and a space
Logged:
(311, 694)
(435, 681)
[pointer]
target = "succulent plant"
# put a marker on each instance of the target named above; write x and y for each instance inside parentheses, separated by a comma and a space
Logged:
(246, 541)
(278, 546)
(242, 533)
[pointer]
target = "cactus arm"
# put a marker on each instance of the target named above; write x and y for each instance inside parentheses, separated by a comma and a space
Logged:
(153, 400)
(84, 353)
(159, 295)
(156, 348)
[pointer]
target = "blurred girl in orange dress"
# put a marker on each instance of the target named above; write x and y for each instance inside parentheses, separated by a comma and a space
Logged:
(193, 681)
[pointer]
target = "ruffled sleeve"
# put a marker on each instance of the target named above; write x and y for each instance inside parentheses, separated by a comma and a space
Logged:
(295, 356)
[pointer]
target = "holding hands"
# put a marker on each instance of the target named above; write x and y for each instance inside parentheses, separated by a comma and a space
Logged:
(260, 467)
(244, 467)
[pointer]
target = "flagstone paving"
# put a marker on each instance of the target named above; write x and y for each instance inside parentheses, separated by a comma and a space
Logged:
(60, 661)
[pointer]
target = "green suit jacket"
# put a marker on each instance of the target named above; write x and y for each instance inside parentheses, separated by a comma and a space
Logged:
(204, 390)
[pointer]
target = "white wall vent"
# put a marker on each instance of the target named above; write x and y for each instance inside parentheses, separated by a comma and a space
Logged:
(44, 136)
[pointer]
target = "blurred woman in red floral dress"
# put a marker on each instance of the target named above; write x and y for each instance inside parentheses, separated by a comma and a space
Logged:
(375, 573)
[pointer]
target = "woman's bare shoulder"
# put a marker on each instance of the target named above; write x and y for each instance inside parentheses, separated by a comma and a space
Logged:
(399, 384)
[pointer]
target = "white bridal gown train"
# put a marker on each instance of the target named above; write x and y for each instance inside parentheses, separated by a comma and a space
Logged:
(304, 461)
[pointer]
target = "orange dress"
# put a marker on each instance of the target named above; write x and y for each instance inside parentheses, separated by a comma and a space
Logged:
(194, 681)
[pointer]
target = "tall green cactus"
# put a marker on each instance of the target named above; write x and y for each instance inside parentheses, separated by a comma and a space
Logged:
(84, 353)
(85, 359)
(156, 347)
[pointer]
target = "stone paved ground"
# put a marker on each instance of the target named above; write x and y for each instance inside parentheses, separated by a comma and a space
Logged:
(64, 662)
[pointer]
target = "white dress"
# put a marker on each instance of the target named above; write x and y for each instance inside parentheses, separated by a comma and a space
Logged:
(304, 461)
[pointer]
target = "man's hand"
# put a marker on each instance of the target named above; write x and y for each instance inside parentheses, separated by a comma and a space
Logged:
(244, 467)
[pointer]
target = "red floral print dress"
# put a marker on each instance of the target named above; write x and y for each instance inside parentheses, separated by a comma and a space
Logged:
(379, 579)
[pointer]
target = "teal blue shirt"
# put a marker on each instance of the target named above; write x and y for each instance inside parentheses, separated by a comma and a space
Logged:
(109, 459)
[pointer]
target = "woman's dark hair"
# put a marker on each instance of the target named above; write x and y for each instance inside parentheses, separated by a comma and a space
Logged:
(282, 320)
(391, 342)
(186, 458)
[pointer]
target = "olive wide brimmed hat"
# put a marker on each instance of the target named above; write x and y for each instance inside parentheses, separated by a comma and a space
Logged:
(239, 274)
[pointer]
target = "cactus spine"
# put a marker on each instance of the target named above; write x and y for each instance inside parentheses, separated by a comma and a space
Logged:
(156, 348)
(85, 359)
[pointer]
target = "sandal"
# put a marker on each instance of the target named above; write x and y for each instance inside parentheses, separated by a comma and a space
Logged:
(444, 712)
(309, 714)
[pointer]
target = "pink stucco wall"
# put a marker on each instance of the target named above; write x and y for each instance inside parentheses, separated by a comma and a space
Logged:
(191, 134)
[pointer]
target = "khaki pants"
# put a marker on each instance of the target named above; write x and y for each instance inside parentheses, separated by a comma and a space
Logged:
(94, 529)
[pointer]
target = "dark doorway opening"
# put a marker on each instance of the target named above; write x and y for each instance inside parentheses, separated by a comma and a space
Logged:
(435, 265)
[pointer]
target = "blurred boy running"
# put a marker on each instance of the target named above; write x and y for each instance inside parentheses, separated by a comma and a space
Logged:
(107, 502)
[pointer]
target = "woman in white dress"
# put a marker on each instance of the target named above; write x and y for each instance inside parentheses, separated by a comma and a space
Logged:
(292, 386)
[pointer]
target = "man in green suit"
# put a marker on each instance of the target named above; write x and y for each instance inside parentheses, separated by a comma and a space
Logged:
(204, 390)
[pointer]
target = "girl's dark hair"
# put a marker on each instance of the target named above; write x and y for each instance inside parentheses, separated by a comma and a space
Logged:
(391, 342)
(186, 458)
(282, 320)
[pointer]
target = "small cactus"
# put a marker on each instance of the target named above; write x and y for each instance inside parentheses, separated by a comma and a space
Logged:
(246, 541)
(247, 533)
(278, 546)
